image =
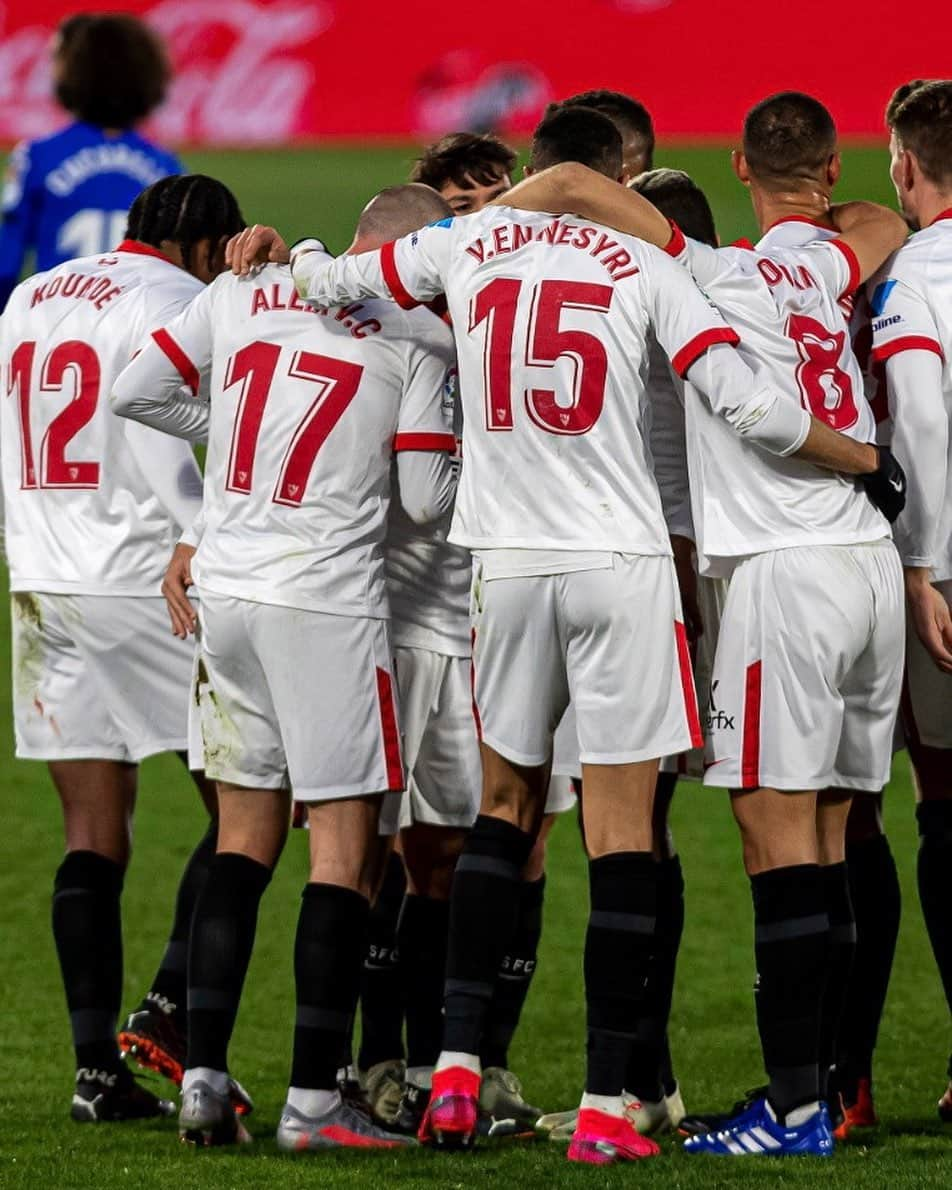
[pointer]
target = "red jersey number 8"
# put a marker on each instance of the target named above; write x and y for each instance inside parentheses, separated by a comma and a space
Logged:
(825, 389)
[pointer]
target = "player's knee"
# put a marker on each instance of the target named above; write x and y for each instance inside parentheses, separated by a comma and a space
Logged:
(607, 832)
(430, 854)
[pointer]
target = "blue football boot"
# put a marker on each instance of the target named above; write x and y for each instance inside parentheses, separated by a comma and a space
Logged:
(757, 1133)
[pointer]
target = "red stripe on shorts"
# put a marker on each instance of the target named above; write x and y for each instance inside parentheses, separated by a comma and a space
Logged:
(750, 754)
(391, 733)
(687, 685)
(472, 684)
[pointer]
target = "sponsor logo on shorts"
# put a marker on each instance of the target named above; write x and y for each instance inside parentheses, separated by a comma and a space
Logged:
(718, 720)
(882, 323)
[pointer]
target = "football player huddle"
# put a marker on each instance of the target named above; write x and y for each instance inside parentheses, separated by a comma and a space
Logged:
(488, 501)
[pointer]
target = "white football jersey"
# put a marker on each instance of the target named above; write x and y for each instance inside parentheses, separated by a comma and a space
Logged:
(83, 515)
(429, 578)
(911, 301)
(552, 317)
(785, 306)
(307, 408)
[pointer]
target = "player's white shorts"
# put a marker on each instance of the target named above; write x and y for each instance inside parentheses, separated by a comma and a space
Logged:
(301, 699)
(808, 670)
(97, 677)
(927, 694)
(440, 746)
(711, 594)
(610, 638)
(566, 765)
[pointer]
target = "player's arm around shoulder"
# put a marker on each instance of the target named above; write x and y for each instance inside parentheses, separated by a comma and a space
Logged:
(570, 188)
(409, 271)
(869, 235)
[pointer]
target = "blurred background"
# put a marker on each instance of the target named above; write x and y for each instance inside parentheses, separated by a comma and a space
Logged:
(327, 99)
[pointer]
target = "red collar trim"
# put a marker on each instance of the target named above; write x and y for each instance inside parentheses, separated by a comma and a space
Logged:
(798, 219)
(744, 243)
(946, 214)
(140, 249)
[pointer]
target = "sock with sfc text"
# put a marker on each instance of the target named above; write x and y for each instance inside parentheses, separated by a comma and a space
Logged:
(87, 930)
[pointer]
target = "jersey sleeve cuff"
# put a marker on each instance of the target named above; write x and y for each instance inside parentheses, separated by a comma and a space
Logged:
(388, 263)
(425, 441)
(692, 351)
(884, 351)
(852, 263)
(676, 245)
(178, 359)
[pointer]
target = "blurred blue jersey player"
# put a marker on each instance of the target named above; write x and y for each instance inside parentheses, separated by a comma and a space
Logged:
(67, 195)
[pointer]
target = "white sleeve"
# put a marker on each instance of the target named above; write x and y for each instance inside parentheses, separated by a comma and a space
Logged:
(920, 441)
(428, 482)
(684, 322)
(410, 270)
(666, 439)
(192, 534)
(754, 409)
(171, 471)
(902, 320)
(704, 263)
(425, 420)
(152, 389)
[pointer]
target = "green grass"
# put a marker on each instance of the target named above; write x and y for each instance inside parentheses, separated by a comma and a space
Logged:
(713, 1036)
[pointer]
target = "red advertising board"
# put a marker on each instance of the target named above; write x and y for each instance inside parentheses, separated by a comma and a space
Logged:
(276, 71)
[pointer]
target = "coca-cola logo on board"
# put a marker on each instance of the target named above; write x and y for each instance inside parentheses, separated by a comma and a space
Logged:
(243, 71)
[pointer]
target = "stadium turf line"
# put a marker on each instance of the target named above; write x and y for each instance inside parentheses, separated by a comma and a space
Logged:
(713, 1037)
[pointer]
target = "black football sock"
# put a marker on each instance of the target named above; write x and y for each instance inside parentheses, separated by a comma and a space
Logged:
(842, 949)
(330, 945)
(169, 988)
(381, 996)
(514, 976)
(482, 920)
(877, 906)
(423, 936)
(87, 929)
(791, 945)
(222, 938)
(650, 1075)
(935, 864)
(619, 960)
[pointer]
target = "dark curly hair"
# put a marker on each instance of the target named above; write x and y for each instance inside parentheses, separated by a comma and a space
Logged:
(112, 70)
(480, 156)
(184, 209)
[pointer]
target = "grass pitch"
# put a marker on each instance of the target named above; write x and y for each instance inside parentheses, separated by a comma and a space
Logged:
(713, 1036)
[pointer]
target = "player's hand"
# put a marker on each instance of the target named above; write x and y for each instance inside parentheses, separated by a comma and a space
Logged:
(930, 616)
(255, 246)
(178, 579)
(686, 570)
(886, 486)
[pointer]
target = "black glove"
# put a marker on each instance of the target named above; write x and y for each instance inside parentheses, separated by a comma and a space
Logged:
(886, 486)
